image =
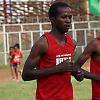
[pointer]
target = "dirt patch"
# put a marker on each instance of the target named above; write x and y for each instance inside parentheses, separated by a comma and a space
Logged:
(6, 77)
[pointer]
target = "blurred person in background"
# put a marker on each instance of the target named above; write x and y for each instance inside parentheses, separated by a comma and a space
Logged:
(17, 55)
(11, 61)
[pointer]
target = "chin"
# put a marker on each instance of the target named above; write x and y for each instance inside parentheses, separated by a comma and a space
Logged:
(66, 31)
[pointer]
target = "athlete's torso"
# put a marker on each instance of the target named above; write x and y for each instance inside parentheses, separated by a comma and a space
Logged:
(17, 57)
(56, 86)
(95, 69)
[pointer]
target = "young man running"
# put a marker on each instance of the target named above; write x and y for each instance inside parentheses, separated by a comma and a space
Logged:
(92, 50)
(51, 56)
(11, 61)
(17, 55)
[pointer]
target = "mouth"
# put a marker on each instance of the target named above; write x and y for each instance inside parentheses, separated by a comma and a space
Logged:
(67, 26)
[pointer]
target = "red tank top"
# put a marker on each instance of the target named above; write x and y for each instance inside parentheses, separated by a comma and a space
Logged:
(17, 57)
(10, 56)
(95, 69)
(56, 86)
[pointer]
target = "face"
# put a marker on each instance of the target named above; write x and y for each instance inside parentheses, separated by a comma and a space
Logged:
(63, 20)
(15, 48)
(11, 49)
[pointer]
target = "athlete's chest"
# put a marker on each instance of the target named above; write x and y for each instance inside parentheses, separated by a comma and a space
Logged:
(59, 54)
(17, 53)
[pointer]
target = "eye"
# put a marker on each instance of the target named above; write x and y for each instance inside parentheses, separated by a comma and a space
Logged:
(70, 17)
(63, 17)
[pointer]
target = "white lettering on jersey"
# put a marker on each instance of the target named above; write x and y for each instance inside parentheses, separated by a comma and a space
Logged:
(16, 58)
(61, 58)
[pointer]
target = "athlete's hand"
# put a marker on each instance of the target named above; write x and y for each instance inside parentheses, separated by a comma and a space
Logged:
(65, 66)
(79, 75)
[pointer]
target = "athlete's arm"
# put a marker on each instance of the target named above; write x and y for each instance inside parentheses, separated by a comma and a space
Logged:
(21, 55)
(39, 49)
(13, 56)
(8, 59)
(91, 47)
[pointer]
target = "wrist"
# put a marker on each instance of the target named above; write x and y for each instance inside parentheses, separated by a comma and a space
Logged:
(74, 72)
(56, 69)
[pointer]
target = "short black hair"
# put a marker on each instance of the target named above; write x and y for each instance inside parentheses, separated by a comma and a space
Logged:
(12, 47)
(53, 8)
(16, 45)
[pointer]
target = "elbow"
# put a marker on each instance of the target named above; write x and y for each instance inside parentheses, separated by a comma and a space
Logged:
(24, 77)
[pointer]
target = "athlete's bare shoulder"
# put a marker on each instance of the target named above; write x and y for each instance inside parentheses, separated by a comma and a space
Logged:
(92, 46)
(95, 42)
(42, 41)
(74, 42)
(95, 46)
(41, 45)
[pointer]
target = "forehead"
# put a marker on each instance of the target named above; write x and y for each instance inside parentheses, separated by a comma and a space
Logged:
(64, 11)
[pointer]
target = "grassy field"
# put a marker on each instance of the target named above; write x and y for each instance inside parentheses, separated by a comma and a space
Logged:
(26, 90)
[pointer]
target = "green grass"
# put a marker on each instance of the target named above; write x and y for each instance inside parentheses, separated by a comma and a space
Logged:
(82, 90)
(18, 91)
(26, 90)
(4, 66)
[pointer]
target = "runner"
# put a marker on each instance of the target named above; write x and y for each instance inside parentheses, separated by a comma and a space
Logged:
(11, 61)
(92, 50)
(52, 55)
(17, 55)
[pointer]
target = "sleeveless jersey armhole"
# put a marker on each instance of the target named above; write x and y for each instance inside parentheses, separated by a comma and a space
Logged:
(46, 35)
(98, 37)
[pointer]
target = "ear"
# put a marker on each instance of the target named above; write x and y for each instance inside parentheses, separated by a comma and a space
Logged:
(52, 19)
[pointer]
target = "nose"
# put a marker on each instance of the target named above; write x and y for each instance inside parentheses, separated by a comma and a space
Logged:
(68, 20)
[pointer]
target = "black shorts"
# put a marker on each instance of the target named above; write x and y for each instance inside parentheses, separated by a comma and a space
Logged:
(11, 65)
(15, 64)
(95, 99)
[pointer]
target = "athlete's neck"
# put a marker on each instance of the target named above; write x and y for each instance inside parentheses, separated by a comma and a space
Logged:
(58, 35)
(16, 50)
